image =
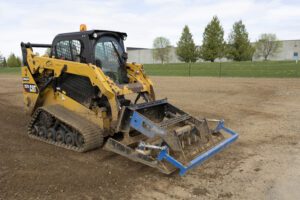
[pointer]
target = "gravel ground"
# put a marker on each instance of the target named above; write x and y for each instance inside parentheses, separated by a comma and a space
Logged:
(263, 164)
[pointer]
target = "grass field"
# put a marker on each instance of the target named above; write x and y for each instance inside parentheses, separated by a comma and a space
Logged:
(227, 69)
(10, 70)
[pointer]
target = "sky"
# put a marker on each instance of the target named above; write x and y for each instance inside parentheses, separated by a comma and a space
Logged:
(38, 21)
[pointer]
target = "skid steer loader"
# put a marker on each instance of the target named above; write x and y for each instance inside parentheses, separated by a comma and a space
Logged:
(84, 95)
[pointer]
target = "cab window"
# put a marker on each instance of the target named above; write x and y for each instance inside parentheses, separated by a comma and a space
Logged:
(68, 50)
(108, 53)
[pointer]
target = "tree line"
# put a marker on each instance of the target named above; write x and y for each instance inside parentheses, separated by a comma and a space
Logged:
(11, 61)
(237, 48)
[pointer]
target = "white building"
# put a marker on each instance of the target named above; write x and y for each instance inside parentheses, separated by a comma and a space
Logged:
(290, 50)
(145, 56)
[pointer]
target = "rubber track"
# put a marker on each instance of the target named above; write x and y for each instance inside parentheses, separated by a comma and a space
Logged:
(92, 134)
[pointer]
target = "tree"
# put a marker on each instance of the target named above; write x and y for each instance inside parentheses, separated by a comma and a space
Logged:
(19, 61)
(13, 61)
(239, 47)
(213, 41)
(4, 64)
(186, 48)
(2, 60)
(267, 45)
(161, 49)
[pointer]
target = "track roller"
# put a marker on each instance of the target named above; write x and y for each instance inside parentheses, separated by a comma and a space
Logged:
(59, 126)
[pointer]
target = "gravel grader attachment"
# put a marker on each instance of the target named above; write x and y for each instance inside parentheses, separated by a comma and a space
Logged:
(171, 139)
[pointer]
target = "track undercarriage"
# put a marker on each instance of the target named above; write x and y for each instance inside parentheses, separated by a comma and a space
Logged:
(61, 127)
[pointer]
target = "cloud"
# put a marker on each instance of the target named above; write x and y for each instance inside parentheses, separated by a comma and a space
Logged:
(39, 21)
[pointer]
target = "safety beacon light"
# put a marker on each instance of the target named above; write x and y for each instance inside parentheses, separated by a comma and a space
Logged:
(82, 27)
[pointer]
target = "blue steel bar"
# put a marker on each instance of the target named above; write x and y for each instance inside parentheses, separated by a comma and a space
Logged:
(203, 157)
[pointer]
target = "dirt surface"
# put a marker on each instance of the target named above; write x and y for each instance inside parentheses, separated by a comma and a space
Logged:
(263, 164)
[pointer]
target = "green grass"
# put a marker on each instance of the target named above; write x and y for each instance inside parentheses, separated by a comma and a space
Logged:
(227, 69)
(10, 70)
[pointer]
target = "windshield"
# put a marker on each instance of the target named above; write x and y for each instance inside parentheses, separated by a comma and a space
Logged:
(108, 56)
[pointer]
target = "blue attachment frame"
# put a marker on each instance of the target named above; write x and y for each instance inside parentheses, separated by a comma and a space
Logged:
(145, 126)
(202, 157)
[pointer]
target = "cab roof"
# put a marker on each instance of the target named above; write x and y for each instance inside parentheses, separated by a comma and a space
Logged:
(91, 32)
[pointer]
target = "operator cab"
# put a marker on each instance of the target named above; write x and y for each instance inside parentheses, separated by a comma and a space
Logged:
(103, 48)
